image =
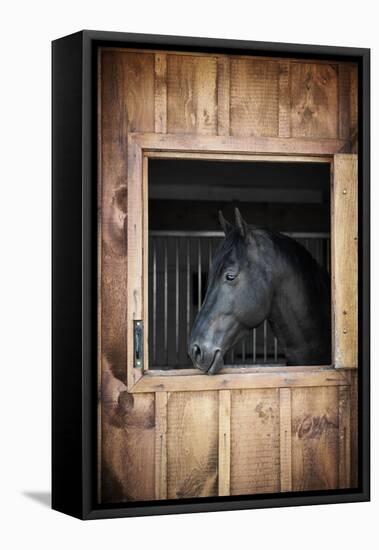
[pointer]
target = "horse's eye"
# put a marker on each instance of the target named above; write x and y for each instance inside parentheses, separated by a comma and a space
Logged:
(230, 277)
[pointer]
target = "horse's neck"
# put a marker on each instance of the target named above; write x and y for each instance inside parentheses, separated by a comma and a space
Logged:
(299, 320)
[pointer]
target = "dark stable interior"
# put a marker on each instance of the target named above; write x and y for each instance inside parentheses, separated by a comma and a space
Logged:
(184, 233)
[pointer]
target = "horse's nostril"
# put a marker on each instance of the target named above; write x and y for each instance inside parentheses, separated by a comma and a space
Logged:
(196, 352)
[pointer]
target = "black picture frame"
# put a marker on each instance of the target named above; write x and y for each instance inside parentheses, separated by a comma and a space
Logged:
(74, 271)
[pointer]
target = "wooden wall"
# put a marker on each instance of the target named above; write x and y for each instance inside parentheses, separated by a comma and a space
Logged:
(185, 444)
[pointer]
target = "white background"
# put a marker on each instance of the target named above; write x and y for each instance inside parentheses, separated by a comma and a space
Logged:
(26, 31)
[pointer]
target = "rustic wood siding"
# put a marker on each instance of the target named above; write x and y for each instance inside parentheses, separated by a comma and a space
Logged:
(255, 442)
(254, 97)
(191, 95)
(127, 422)
(199, 443)
(192, 444)
(315, 445)
(314, 100)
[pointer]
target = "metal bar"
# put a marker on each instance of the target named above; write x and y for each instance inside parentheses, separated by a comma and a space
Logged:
(154, 302)
(177, 301)
(165, 301)
(199, 274)
(209, 257)
(319, 243)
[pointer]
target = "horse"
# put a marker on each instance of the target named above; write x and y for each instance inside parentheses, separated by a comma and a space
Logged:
(258, 274)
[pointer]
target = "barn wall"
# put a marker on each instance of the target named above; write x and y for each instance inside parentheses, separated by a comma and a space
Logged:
(185, 444)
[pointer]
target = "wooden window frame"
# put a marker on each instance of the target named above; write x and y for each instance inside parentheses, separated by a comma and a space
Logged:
(344, 262)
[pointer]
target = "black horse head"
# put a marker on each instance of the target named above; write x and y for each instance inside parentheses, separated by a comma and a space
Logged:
(257, 275)
(238, 296)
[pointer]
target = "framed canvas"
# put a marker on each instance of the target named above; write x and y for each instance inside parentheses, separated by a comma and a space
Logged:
(210, 275)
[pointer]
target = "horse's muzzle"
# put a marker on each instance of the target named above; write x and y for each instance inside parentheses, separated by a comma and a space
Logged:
(207, 360)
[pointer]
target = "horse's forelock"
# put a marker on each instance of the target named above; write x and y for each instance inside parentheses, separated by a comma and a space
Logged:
(229, 244)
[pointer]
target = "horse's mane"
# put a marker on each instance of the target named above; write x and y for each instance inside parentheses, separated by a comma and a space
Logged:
(295, 254)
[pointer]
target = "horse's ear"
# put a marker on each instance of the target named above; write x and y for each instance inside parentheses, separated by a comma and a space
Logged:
(240, 223)
(226, 226)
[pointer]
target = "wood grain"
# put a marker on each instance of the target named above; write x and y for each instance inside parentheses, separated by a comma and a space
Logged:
(314, 98)
(192, 444)
(344, 93)
(236, 432)
(285, 440)
(284, 100)
(136, 238)
(315, 438)
(120, 112)
(161, 445)
(160, 93)
(127, 423)
(128, 448)
(239, 145)
(153, 382)
(354, 434)
(191, 94)
(241, 157)
(344, 410)
(254, 98)
(224, 443)
(345, 260)
(354, 107)
(255, 442)
(223, 96)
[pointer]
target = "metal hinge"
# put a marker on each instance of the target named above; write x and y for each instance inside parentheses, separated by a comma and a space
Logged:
(138, 344)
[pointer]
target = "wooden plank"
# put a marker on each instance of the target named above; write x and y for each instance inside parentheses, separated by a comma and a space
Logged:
(285, 440)
(284, 100)
(255, 442)
(161, 445)
(315, 442)
(345, 260)
(191, 94)
(314, 94)
(126, 92)
(145, 262)
(201, 382)
(344, 436)
(136, 236)
(235, 144)
(354, 107)
(128, 448)
(120, 112)
(235, 157)
(354, 436)
(223, 96)
(344, 93)
(254, 98)
(224, 443)
(267, 368)
(192, 443)
(160, 93)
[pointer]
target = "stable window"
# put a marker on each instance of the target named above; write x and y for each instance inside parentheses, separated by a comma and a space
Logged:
(185, 196)
(175, 188)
